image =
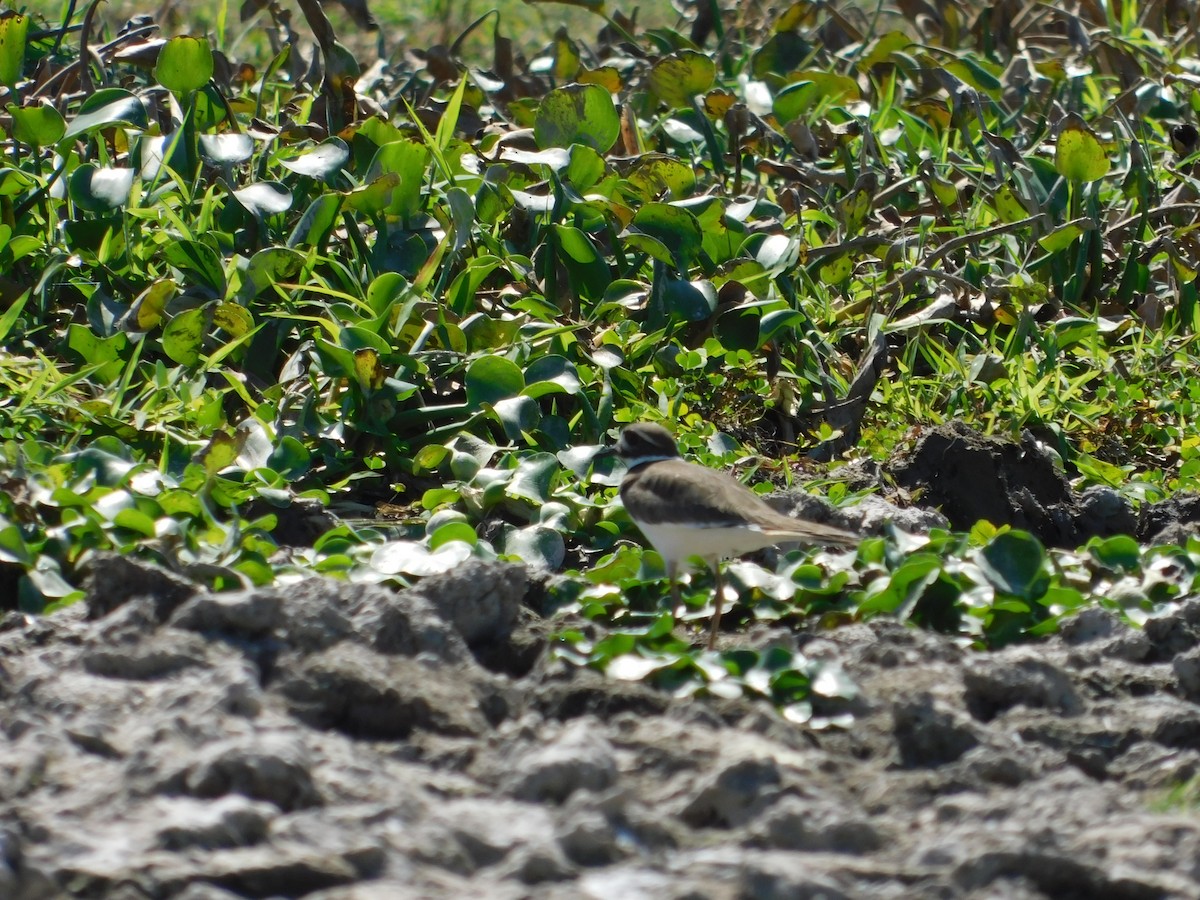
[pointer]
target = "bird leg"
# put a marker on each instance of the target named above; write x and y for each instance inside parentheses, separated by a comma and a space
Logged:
(673, 578)
(718, 599)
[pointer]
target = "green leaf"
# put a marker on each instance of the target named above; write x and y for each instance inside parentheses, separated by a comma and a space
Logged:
(219, 453)
(1078, 155)
(536, 546)
(185, 64)
(147, 311)
(403, 163)
(324, 162)
(518, 415)
(1120, 552)
(271, 266)
(266, 198)
(811, 88)
(533, 477)
(551, 374)
(226, 149)
(577, 114)
(107, 108)
(656, 174)
(692, 301)
(198, 260)
(575, 243)
(12, 546)
(1060, 238)
(40, 126)
(453, 531)
(233, 318)
(675, 228)
(491, 379)
(14, 29)
(678, 78)
(585, 168)
(183, 337)
(98, 189)
(1014, 562)
(12, 314)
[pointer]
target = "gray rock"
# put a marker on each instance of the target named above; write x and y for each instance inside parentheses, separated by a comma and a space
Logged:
(734, 795)
(245, 614)
(363, 694)
(578, 759)
(268, 767)
(114, 580)
(229, 821)
(929, 734)
(995, 685)
(480, 598)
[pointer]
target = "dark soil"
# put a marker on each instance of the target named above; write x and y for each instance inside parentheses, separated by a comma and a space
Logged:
(331, 740)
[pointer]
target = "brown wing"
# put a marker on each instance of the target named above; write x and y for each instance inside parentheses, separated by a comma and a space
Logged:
(654, 493)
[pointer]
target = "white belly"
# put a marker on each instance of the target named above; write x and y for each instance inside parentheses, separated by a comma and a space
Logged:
(678, 543)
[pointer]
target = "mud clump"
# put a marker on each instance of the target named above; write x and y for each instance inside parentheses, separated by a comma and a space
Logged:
(968, 476)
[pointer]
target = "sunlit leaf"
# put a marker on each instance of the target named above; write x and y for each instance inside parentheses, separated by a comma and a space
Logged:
(1078, 155)
(14, 29)
(185, 64)
(104, 109)
(98, 189)
(677, 78)
(491, 379)
(183, 337)
(323, 162)
(267, 198)
(41, 126)
(577, 114)
(226, 149)
(1014, 561)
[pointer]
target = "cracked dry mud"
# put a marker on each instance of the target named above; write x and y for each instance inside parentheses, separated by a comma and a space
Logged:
(328, 740)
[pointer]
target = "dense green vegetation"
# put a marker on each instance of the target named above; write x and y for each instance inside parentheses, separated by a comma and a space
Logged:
(233, 291)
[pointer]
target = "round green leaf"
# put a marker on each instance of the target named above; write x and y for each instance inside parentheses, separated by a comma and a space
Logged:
(692, 301)
(552, 374)
(98, 189)
(577, 114)
(677, 78)
(533, 478)
(1120, 552)
(655, 174)
(184, 335)
(267, 198)
(676, 228)
(537, 546)
(811, 88)
(185, 64)
(491, 379)
(270, 266)
(323, 163)
(40, 126)
(1014, 562)
(104, 109)
(453, 531)
(1078, 156)
(518, 415)
(234, 318)
(226, 149)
